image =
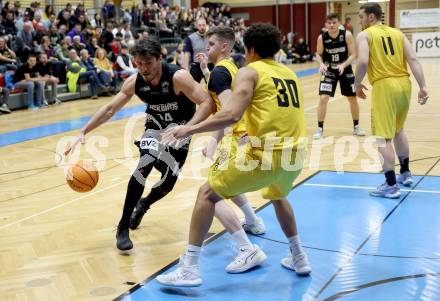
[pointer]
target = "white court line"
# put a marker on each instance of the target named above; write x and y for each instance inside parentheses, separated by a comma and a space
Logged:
(85, 196)
(366, 187)
(61, 205)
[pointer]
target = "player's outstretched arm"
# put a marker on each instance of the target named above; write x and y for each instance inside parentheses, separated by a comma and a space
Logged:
(185, 84)
(416, 69)
(363, 55)
(232, 112)
(106, 112)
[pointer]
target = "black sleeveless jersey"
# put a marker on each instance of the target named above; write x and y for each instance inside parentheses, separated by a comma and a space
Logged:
(164, 107)
(335, 50)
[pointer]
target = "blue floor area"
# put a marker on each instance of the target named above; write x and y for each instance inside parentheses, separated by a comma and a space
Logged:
(360, 248)
(74, 124)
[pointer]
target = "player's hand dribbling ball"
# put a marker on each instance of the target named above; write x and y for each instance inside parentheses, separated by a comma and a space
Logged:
(83, 176)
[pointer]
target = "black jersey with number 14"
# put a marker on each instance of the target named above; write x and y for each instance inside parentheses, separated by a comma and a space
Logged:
(164, 107)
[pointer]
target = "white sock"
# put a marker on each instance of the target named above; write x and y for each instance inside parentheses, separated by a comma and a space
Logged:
(249, 214)
(192, 255)
(295, 245)
(241, 240)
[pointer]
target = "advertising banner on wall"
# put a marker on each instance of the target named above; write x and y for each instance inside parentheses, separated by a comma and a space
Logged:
(417, 18)
(426, 44)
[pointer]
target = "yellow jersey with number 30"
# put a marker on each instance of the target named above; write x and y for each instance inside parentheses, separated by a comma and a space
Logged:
(276, 109)
(387, 54)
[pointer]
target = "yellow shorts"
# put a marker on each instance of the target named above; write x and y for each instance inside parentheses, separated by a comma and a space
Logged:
(390, 105)
(232, 172)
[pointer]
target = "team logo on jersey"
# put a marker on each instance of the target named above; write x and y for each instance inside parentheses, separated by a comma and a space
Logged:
(165, 87)
(149, 143)
(326, 87)
(145, 89)
(341, 38)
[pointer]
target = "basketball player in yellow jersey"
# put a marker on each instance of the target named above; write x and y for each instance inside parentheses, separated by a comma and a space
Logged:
(383, 52)
(269, 96)
(220, 81)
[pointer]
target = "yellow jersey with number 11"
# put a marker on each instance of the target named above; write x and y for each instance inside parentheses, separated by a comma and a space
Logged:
(387, 54)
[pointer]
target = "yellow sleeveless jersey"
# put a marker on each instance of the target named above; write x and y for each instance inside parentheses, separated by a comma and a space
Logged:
(230, 66)
(276, 108)
(387, 54)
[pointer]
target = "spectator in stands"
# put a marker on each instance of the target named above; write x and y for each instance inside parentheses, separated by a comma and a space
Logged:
(195, 43)
(124, 62)
(62, 30)
(178, 55)
(17, 7)
(90, 66)
(76, 31)
(128, 41)
(302, 51)
(96, 21)
(27, 77)
(88, 34)
(144, 35)
(68, 8)
(76, 66)
(62, 52)
(80, 10)
(35, 21)
(108, 11)
(24, 42)
(8, 24)
(51, 21)
(92, 46)
(4, 97)
(45, 70)
(64, 19)
(348, 25)
(8, 7)
(116, 45)
(82, 19)
(135, 16)
(103, 67)
(23, 20)
(49, 10)
(77, 44)
(107, 38)
(45, 47)
(55, 36)
(7, 57)
(38, 34)
(119, 28)
(126, 16)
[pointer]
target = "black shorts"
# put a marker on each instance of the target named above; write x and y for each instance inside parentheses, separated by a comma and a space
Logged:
(330, 79)
(162, 158)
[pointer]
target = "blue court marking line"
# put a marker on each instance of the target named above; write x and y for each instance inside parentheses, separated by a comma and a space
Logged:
(73, 124)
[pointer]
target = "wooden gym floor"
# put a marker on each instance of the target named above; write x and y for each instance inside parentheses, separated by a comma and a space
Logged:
(56, 244)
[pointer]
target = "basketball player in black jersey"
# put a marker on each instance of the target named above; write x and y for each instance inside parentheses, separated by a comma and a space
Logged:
(335, 52)
(170, 94)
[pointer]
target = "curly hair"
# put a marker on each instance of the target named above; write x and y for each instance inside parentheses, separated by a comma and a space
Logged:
(264, 38)
(149, 47)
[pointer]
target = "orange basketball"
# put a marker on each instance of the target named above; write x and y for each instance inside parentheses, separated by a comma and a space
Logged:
(82, 176)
